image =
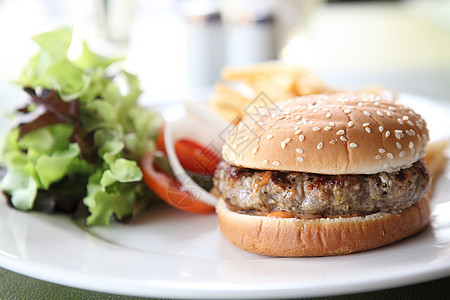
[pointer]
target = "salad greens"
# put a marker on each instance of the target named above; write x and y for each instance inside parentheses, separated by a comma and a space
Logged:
(78, 149)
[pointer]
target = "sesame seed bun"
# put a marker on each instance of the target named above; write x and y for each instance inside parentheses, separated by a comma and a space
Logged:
(320, 237)
(346, 133)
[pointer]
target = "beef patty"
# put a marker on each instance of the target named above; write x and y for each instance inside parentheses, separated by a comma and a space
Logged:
(249, 190)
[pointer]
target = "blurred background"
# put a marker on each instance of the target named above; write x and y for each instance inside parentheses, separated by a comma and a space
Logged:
(177, 46)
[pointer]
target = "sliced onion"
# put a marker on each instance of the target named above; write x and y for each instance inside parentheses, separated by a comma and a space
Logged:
(204, 134)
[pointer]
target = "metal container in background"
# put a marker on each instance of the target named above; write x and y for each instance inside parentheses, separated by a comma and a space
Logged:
(249, 32)
(205, 42)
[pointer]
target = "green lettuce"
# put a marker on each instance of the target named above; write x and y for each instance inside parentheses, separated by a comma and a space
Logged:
(89, 128)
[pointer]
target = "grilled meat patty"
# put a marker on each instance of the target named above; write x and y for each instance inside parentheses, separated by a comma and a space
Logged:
(250, 190)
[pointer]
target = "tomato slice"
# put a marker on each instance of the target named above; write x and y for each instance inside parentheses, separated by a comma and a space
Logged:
(170, 190)
(196, 158)
(193, 157)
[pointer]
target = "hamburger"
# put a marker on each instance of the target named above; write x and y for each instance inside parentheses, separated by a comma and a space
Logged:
(324, 175)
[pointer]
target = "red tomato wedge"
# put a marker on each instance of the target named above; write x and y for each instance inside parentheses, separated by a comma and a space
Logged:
(193, 157)
(170, 190)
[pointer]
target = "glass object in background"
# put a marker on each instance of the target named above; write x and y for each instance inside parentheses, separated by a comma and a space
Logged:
(104, 24)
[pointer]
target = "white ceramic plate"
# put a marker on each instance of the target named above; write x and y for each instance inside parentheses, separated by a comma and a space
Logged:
(167, 253)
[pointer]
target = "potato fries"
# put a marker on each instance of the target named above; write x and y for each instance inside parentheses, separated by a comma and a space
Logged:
(436, 158)
(278, 80)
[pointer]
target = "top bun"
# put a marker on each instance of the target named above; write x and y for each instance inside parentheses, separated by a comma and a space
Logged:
(345, 133)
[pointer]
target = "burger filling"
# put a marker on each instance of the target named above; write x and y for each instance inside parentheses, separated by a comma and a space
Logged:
(313, 195)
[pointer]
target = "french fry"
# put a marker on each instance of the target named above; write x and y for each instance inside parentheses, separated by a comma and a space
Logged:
(436, 158)
(266, 69)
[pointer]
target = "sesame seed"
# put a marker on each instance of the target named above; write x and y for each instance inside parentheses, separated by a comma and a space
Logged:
(299, 150)
(391, 108)
(235, 146)
(366, 124)
(319, 145)
(269, 136)
(381, 150)
(340, 132)
(399, 146)
(405, 118)
(402, 153)
(368, 129)
(400, 121)
(297, 117)
(360, 104)
(311, 122)
(411, 145)
(381, 128)
(380, 113)
(347, 111)
(276, 163)
(299, 158)
(399, 135)
(327, 128)
(315, 110)
(350, 124)
(298, 132)
(387, 134)
(366, 113)
(343, 138)
(316, 128)
(301, 137)
(265, 162)
(410, 123)
(325, 109)
(254, 150)
(389, 113)
(284, 143)
(331, 124)
(377, 156)
(328, 115)
(390, 155)
(353, 145)
(295, 127)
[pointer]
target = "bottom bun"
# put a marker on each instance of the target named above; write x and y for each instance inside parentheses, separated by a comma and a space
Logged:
(320, 237)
